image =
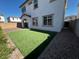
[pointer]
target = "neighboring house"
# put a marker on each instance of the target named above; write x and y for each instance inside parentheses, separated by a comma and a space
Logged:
(70, 18)
(14, 19)
(43, 14)
(2, 19)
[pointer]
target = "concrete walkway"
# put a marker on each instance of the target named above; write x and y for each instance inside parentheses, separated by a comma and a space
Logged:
(64, 46)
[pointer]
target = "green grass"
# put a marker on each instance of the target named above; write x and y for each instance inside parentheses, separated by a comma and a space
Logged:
(4, 51)
(29, 41)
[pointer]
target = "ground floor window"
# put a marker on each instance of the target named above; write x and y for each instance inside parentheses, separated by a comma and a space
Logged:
(35, 21)
(47, 20)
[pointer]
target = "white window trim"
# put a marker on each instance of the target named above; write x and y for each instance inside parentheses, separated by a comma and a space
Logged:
(36, 21)
(47, 20)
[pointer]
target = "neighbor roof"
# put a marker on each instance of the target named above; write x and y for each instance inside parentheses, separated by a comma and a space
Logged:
(25, 15)
(24, 3)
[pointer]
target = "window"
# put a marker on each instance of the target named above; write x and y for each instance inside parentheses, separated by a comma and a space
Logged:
(23, 9)
(35, 21)
(52, 0)
(47, 20)
(35, 4)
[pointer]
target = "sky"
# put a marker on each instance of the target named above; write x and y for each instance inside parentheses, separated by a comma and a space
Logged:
(11, 7)
(71, 7)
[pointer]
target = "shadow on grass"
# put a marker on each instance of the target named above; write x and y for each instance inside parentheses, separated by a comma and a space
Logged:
(35, 53)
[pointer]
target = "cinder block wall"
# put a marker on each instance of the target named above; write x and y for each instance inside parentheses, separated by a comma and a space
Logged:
(77, 27)
(74, 26)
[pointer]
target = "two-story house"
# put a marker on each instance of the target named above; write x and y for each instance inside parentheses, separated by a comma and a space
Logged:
(43, 14)
(14, 19)
(2, 19)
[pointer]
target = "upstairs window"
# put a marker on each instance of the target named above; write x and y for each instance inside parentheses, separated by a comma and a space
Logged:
(52, 0)
(35, 21)
(35, 4)
(23, 10)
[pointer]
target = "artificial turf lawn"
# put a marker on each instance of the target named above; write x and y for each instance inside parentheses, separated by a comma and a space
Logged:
(27, 40)
(32, 42)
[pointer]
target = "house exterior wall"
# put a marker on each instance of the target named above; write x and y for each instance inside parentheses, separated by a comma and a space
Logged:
(2, 19)
(14, 19)
(45, 7)
(29, 9)
(27, 19)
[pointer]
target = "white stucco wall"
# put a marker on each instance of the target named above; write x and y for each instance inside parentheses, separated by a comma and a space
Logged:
(2, 19)
(27, 19)
(29, 9)
(15, 19)
(47, 8)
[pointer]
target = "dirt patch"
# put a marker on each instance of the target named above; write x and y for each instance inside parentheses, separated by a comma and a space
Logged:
(8, 25)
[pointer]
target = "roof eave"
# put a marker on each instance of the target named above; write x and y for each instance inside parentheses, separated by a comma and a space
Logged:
(23, 3)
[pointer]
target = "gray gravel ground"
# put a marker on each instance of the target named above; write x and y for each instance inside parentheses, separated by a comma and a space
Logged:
(64, 46)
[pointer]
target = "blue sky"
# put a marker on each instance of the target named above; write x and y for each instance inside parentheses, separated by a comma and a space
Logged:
(71, 7)
(11, 7)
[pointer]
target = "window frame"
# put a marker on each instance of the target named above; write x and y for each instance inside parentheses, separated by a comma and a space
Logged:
(23, 9)
(47, 20)
(35, 21)
(35, 4)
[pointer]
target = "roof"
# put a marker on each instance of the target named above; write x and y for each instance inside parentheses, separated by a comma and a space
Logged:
(13, 17)
(25, 15)
(24, 3)
(70, 18)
